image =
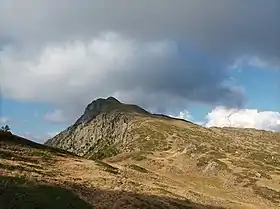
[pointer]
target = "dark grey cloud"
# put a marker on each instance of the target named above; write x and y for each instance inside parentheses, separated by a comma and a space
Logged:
(223, 30)
(231, 26)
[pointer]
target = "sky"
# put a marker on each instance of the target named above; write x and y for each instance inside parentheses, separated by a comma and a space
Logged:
(214, 64)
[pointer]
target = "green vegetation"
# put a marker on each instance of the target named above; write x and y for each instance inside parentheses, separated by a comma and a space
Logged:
(27, 155)
(152, 137)
(138, 168)
(14, 167)
(267, 193)
(201, 148)
(138, 156)
(106, 167)
(267, 158)
(226, 160)
(5, 128)
(16, 192)
(164, 191)
(217, 155)
(103, 148)
(249, 177)
(14, 143)
(245, 178)
(26, 168)
(256, 165)
(103, 152)
(205, 160)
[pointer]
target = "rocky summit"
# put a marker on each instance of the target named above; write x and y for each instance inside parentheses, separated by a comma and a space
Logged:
(104, 130)
(121, 156)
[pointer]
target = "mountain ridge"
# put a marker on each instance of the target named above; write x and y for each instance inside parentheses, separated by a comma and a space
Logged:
(102, 105)
(105, 121)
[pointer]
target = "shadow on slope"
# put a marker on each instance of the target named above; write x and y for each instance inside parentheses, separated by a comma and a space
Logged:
(7, 138)
(16, 192)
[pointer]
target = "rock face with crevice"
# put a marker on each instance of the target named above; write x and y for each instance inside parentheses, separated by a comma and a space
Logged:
(102, 130)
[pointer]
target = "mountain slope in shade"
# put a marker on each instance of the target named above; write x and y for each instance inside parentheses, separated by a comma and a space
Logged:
(225, 164)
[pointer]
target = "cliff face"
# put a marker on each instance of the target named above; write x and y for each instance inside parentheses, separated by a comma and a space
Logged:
(101, 131)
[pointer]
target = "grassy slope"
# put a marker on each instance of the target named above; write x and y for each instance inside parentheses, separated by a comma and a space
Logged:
(35, 176)
(24, 170)
(243, 163)
(174, 162)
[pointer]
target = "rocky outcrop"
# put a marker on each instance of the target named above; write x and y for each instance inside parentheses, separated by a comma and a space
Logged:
(101, 130)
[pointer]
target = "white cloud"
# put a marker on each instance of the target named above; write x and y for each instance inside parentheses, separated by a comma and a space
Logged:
(244, 61)
(33, 137)
(184, 115)
(215, 27)
(201, 123)
(56, 116)
(54, 50)
(72, 74)
(39, 138)
(244, 118)
(4, 120)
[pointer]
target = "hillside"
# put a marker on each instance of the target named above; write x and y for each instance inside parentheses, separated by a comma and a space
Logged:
(229, 167)
(130, 158)
(109, 127)
(36, 176)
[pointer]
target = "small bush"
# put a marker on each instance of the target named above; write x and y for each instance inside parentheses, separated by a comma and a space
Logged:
(138, 157)
(106, 167)
(267, 193)
(138, 168)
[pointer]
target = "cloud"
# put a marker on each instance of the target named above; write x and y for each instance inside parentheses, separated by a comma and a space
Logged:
(55, 116)
(223, 28)
(34, 137)
(74, 73)
(186, 115)
(4, 120)
(244, 62)
(39, 138)
(244, 118)
(158, 55)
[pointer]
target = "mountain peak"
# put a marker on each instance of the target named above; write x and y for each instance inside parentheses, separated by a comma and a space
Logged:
(107, 105)
(113, 99)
